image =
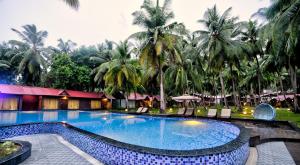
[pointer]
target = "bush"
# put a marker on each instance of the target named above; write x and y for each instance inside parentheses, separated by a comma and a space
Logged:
(8, 148)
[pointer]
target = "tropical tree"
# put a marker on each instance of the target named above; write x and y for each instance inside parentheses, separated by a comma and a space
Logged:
(159, 37)
(101, 61)
(7, 70)
(218, 42)
(66, 47)
(253, 48)
(72, 3)
(122, 74)
(65, 74)
(33, 62)
(284, 20)
(184, 74)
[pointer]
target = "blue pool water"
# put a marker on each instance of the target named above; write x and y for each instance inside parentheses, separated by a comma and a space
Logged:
(153, 132)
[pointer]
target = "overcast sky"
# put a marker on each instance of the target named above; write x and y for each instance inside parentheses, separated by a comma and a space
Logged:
(97, 20)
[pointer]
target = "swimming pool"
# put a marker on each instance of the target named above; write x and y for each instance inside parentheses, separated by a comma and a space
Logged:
(167, 136)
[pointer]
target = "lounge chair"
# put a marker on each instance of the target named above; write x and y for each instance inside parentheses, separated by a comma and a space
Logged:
(139, 110)
(144, 110)
(225, 113)
(181, 111)
(189, 112)
(212, 113)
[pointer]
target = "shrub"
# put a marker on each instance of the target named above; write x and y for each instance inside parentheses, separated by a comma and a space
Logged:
(8, 148)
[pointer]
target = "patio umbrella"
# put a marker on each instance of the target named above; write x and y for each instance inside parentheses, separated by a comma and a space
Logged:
(186, 99)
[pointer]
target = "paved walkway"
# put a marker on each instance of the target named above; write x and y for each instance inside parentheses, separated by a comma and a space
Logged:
(51, 149)
(294, 149)
(274, 153)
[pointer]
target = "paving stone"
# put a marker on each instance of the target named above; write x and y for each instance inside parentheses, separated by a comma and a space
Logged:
(47, 150)
(274, 153)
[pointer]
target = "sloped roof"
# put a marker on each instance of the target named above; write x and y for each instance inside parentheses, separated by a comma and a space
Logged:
(81, 94)
(136, 96)
(39, 91)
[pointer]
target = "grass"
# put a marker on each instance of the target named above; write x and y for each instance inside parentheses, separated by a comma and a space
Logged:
(282, 114)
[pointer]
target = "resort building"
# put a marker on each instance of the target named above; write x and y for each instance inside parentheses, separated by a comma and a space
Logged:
(136, 100)
(15, 97)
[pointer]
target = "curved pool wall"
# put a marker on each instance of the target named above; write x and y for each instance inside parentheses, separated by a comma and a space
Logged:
(112, 152)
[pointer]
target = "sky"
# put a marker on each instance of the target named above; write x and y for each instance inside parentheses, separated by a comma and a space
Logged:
(97, 20)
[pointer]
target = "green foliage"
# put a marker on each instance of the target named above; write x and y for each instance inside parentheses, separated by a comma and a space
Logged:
(72, 3)
(8, 71)
(65, 74)
(122, 74)
(8, 148)
(154, 111)
(159, 37)
(30, 50)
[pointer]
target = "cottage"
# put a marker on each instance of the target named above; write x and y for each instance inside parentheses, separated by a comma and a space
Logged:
(15, 97)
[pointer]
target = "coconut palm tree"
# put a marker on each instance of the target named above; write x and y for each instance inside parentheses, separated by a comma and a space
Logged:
(122, 74)
(159, 37)
(184, 74)
(253, 48)
(33, 62)
(218, 42)
(102, 61)
(66, 47)
(284, 20)
(72, 3)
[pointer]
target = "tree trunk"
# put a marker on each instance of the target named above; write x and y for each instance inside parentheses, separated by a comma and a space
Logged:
(223, 89)
(162, 97)
(234, 89)
(293, 73)
(258, 78)
(253, 95)
(126, 101)
(281, 86)
(135, 99)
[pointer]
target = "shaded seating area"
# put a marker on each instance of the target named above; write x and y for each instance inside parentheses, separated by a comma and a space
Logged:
(186, 100)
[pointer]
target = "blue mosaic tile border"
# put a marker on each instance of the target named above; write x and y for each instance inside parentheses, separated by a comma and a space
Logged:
(110, 154)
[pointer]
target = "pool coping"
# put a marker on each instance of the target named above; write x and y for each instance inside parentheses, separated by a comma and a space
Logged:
(238, 142)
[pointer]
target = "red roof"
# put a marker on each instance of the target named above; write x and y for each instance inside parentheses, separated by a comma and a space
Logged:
(39, 91)
(136, 96)
(81, 94)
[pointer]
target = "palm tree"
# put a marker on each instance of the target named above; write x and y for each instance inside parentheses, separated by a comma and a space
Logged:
(66, 47)
(184, 73)
(159, 37)
(102, 61)
(72, 3)
(218, 42)
(33, 62)
(253, 48)
(284, 21)
(122, 74)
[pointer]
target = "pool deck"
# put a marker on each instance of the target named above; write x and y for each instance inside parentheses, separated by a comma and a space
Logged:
(269, 131)
(55, 151)
(274, 153)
